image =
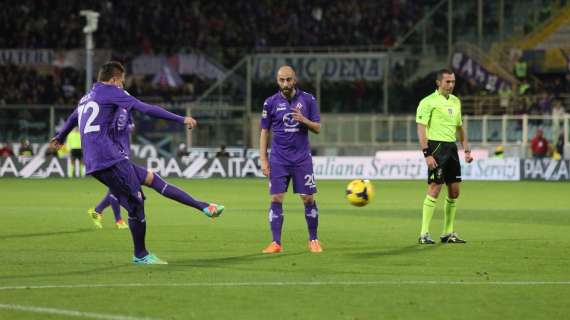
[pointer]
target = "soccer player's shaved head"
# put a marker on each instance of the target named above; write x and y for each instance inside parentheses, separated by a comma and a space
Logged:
(287, 81)
(285, 71)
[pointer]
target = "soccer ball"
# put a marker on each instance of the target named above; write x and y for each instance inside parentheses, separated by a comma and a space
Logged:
(359, 192)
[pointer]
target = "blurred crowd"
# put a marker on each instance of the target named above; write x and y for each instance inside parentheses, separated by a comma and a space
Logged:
(21, 85)
(225, 31)
(215, 27)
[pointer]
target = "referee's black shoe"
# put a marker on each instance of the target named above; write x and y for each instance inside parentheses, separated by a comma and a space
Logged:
(425, 239)
(452, 238)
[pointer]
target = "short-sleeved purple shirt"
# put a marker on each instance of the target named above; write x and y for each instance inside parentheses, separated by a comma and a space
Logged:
(290, 138)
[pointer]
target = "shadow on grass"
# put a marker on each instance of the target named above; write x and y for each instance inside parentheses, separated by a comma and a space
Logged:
(412, 249)
(42, 234)
(224, 261)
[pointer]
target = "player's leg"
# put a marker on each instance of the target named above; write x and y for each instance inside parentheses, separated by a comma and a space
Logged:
(96, 214)
(73, 160)
(278, 183)
(435, 181)
(154, 181)
(109, 200)
(116, 206)
(453, 181)
(305, 185)
(450, 208)
(123, 183)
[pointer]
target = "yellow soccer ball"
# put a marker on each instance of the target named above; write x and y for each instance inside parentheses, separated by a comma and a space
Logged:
(359, 192)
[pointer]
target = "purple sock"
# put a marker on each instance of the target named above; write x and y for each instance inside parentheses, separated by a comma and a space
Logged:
(137, 223)
(312, 217)
(138, 232)
(276, 220)
(104, 203)
(174, 193)
(116, 207)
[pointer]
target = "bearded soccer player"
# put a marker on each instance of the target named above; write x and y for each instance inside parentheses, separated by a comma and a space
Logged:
(439, 122)
(100, 114)
(289, 114)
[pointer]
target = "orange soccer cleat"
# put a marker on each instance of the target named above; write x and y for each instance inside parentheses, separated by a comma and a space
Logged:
(315, 246)
(273, 247)
(121, 224)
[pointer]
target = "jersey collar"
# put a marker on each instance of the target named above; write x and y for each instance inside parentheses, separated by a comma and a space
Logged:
(441, 95)
(297, 92)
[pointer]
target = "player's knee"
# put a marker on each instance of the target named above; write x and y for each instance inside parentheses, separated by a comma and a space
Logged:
(307, 198)
(454, 194)
(434, 190)
(149, 178)
(277, 197)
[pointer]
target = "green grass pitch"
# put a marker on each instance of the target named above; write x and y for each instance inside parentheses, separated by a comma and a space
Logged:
(516, 264)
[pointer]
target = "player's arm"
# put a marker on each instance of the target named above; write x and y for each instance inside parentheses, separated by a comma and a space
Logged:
(315, 127)
(465, 144)
(122, 98)
(313, 122)
(59, 139)
(263, 141)
(161, 113)
(265, 125)
(422, 119)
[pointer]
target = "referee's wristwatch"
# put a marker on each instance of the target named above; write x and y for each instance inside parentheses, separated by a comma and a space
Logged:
(426, 152)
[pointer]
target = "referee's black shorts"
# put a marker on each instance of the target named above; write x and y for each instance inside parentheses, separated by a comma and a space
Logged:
(76, 154)
(448, 167)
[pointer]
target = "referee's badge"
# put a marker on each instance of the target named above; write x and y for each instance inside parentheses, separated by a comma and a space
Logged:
(450, 110)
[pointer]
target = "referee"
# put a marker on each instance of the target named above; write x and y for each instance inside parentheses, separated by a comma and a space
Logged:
(438, 120)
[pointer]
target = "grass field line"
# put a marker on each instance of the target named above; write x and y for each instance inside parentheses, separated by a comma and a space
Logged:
(70, 313)
(293, 283)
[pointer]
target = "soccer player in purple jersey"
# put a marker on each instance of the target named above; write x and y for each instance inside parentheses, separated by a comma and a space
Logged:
(146, 178)
(98, 114)
(290, 114)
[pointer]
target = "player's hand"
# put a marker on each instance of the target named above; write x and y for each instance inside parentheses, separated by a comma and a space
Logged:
(265, 167)
(297, 115)
(431, 163)
(191, 122)
(468, 157)
(55, 144)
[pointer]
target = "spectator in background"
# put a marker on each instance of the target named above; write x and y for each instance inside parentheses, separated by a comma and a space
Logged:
(560, 146)
(6, 151)
(25, 149)
(499, 152)
(539, 145)
(521, 69)
(505, 94)
(222, 153)
(557, 117)
(182, 151)
(544, 103)
(76, 154)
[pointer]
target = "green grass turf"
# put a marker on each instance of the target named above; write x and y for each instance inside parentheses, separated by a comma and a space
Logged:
(514, 266)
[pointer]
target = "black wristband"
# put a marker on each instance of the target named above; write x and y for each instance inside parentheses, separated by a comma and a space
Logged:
(427, 152)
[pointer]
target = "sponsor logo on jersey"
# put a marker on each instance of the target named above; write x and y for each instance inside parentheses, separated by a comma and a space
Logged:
(289, 121)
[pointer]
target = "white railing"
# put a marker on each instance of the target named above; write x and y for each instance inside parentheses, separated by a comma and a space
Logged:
(380, 132)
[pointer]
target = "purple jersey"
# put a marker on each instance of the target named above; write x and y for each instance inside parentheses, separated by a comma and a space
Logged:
(97, 117)
(290, 139)
(123, 124)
